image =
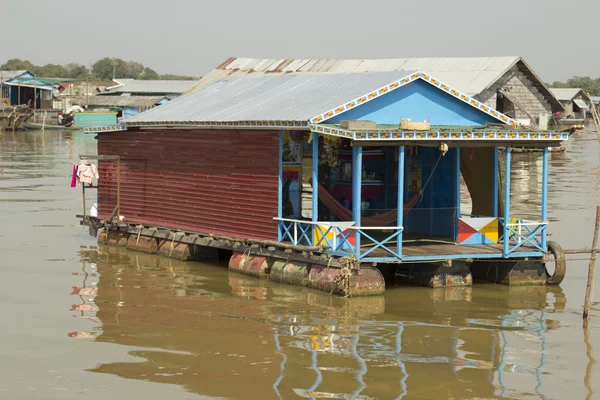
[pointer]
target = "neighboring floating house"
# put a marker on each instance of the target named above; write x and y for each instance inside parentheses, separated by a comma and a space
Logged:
(507, 84)
(164, 88)
(574, 100)
(128, 106)
(221, 167)
(21, 87)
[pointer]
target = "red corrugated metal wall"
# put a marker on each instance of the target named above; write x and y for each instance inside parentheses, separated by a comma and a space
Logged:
(207, 181)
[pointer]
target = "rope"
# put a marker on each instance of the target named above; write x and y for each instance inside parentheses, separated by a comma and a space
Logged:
(350, 267)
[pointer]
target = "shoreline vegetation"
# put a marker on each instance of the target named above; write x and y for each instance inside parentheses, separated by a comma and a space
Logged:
(104, 69)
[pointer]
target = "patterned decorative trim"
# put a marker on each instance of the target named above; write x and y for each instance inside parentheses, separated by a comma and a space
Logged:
(228, 124)
(440, 135)
(109, 128)
(404, 81)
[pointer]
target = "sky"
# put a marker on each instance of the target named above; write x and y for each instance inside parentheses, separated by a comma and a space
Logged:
(191, 37)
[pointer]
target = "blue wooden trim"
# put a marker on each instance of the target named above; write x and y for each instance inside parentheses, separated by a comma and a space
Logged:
(400, 221)
(507, 203)
(280, 181)
(544, 195)
(356, 189)
(315, 177)
(495, 184)
(457, 198)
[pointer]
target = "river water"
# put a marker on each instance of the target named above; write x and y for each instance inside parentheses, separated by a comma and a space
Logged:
(97, 323)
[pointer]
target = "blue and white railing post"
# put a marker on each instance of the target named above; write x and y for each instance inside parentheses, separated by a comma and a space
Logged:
(400, 221)
(280, 196)
(507, 204)
(356, 192)
(495, 184)
(544, 196)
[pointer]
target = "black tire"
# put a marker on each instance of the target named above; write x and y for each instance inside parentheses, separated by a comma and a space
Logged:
(560, 264)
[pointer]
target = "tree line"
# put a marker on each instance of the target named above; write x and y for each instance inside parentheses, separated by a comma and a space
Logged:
(589, 85)
(104, 69)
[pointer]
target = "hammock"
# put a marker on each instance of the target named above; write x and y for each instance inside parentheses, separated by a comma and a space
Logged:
(389, 218)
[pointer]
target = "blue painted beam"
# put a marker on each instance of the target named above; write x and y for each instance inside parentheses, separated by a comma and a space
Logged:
(280, 190)
(495, 184)
(315, 177)
(544, 195)
(507, 203)
(457, 192)
(400, 221)
(356, 189)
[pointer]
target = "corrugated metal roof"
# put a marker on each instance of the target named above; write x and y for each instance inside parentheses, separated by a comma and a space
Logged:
(8, 75)
(280, 98)
(581, 104)
(471, 75)
(119, 101)
(136, 86)
(565, 94)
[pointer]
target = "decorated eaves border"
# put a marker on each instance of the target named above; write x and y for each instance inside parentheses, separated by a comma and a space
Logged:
(437, 135)
(223, 124)
(107, 128)
(404, 81)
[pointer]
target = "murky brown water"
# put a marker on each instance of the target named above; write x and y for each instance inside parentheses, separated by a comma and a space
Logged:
(82, 322)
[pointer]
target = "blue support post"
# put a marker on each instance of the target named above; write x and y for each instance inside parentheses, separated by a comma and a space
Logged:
(457, 194)
(507, 203)
(544, 195)
(315, 177)
(400, 221)
(280, 190)
(356, 190)
(495, 184)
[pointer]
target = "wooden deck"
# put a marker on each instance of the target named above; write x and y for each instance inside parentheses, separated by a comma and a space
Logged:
(427, 249)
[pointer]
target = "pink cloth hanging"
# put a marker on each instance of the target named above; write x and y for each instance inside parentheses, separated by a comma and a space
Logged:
(74, 177)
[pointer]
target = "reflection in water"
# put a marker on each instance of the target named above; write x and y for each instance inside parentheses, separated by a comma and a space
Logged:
(221, 334)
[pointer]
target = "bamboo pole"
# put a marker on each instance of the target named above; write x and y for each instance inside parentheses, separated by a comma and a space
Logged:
(589, 291)
(44, 122)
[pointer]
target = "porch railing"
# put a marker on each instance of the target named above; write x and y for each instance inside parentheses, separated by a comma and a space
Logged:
(343, 238)
(523, 232)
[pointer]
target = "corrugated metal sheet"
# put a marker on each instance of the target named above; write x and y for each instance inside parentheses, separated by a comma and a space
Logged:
(210, 182)
(581, 104)
(566, 94)
(135, 86)
(471, 75)
(118, 101)
(282, 97)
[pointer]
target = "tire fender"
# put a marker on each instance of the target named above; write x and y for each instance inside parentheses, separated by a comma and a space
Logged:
(560, 264)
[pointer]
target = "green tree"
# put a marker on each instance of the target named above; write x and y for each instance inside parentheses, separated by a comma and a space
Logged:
(149, 75)
(52, 71)
(106, 67)
(16, 64)
(77, 71)
(171, 77)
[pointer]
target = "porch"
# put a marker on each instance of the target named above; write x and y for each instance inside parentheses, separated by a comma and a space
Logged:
(430, 226)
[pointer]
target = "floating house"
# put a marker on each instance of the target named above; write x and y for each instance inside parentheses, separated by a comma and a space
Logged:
(164, 88)
(574, 101)
(507, 84)
(383, 152)
(22, 87)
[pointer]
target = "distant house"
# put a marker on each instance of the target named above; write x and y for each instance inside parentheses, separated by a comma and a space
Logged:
(22, 87)
(574, 100)
(507, 84)
(132, 87)
(127, 106)
(83, 88)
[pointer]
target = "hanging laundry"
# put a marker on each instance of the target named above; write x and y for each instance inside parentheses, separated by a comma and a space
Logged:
(86, 172)
(74, 176)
